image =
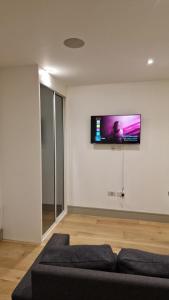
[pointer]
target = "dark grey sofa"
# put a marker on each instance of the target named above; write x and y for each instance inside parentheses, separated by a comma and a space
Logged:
(45, 282)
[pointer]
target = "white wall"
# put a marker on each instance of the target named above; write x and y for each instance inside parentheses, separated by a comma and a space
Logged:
(97, 169)
(1, 207)
(1, 212)
(20, 153)
(52, 82)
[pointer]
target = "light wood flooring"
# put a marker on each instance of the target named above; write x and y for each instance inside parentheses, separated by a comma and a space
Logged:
(16, 257)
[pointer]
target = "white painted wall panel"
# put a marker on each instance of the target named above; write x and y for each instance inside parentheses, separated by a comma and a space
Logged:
(97, 169)
(20, 153)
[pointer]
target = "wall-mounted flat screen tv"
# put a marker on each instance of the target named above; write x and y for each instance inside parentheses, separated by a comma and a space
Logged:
(112, 129)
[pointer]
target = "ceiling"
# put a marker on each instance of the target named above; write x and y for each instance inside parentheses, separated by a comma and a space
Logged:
(119, 35)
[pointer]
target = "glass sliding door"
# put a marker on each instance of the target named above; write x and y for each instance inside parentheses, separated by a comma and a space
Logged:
(59, 155)
(48, 157)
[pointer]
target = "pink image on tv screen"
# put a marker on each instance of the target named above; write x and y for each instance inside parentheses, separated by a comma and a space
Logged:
(120, 129)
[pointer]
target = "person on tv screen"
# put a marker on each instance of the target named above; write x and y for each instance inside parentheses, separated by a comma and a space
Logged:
(117, 133)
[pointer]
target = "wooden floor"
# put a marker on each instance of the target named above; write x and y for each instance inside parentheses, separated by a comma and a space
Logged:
(15, 258)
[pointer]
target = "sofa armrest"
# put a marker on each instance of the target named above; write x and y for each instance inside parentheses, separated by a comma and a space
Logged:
(23, 290)
(51, 282)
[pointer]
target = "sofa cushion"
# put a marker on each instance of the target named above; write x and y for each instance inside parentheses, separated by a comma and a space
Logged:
(139, 262)
(99, 257)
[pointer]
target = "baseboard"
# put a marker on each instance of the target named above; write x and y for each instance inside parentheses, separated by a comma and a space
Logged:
(1, 234)
(119, 214)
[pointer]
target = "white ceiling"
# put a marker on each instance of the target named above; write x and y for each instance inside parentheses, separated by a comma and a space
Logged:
(120, 36)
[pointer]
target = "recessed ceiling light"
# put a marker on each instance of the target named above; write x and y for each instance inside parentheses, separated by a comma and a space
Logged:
(150, 61)
(74, 43)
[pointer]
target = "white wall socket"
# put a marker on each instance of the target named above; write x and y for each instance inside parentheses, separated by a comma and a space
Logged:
(116, 194)
(111, 194)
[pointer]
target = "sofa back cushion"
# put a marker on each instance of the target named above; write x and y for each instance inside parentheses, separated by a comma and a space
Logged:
(139, 262)
(99, 257)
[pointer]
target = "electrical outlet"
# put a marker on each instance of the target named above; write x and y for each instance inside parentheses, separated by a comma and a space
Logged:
(111, 194)
(118, 194)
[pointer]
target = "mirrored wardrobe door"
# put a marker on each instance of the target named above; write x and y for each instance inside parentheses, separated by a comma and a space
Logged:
(48, 157)
(59, 155)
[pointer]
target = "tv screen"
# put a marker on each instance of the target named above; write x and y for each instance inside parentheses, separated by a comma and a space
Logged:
(113, 129)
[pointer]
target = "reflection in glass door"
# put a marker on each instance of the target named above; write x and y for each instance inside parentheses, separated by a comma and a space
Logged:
(48, 157)
(52, 156)
(59, 155)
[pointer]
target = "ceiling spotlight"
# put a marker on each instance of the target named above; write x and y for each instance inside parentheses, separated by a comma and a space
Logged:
(150, 61)
(74, 43)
